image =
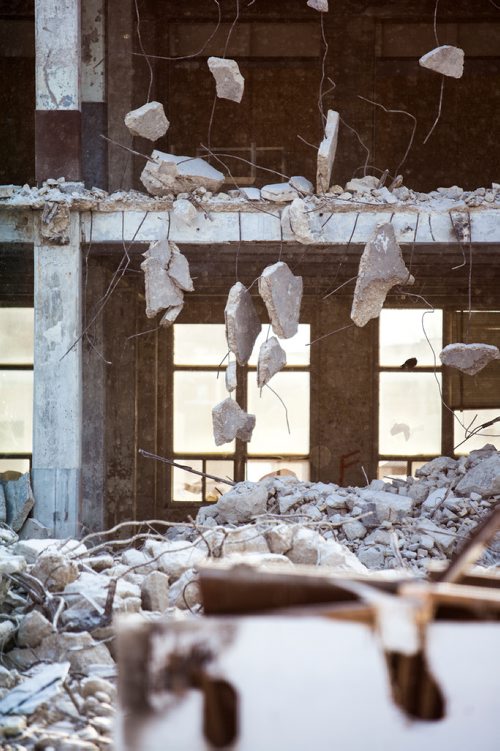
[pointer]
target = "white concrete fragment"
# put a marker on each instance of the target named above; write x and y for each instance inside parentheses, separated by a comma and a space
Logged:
(169, 173)
(447, 60)
(339, 557)
(229, 82)
(278, 192)
(231, 377)
(484, 478)
(173, 557)
(154, 591)
(303, 221)
(282, 295)
(301, 185)
(31, 549)
(33, 628)
(326, 151)
(55, 570)
(320, 5)
(170, 315)
(230, 421)
(242, 323)
(178, 269)
(148, 121)
(362, 184)
(381, 267)
(272, 358)
(252, 194)
(469, 358)
(244, 541)
(185, 211)
(241, 503)
(161, 291)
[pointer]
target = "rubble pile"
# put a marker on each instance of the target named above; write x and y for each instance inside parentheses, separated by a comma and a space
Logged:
(60, 598)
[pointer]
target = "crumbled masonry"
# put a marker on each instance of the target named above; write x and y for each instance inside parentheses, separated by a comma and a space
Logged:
(166, 278)
(282, 295)
(230, 422)
(303, 221)
(185, 211)
(242, 323)
(469, 358)
(381, 267)
(169, 173)
(389, 524)
(272, 358)
(229, 82)
(148, 121)
(326, 151)
(447, 60)
(278, 192)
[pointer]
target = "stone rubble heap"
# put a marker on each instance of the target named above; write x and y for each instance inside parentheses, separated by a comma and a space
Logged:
(59, 599)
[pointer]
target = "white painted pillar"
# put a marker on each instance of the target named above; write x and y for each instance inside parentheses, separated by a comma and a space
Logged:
(57, 403)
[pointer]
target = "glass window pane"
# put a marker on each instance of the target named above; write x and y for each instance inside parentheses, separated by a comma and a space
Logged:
(224, 469)
(199, 343)
(410, 414)
(258, 468)
(297, 351)
(271, 434)
(185, 485)
(402, 336)
(195, 394)
(392, 468)
(490, 434)
(16, 336)
(15, 465)
(16, 411)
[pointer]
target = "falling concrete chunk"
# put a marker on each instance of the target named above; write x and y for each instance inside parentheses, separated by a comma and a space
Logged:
(447, 60)
(185, 211)
(148, 121)
(301, 184)
(170, 315)
(282, 294)
(161, 291)
(231, 377)
(321, 5)
(169, 173)
(178, 269)
(303, 221)
(242, 323)
(469, 358)
(272, 358)
(230, 422)
(229, 82)
(326, 152)
(278, 193)
(381, 267)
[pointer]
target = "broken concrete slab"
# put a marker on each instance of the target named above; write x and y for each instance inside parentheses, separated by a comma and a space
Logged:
(320, 5)
(272, 358)
(242, 323)
(178, 269)
(381, 267)
(251, 194)
(148, 121)
(154, 591)
(33, 628)
(469, 358)
(303, 220)
(301, 185)
(55, 570)
(484, 478)
(326, 151)
(185, 211)
(230, 421)
(169, 173)
(231, 377)
(362, 184)
(447, 60)
(278, 192)
(32, 528)
(161, 291)
(170, 315)
(229, 82)
(19, 501)
(240, 504)
(282, 295)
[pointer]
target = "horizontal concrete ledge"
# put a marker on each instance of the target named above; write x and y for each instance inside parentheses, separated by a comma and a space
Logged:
(264, 226)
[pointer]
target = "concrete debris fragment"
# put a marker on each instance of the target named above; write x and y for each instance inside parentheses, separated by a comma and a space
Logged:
(272, 358)
(240, 504)
(320, 5)
(483, 479)
(278, 192)
(169, 173)
(185, 211)
(447, 60)
(282, 295)
(327, 150)
(54, 223)
(230, 421)
(303, 220)
(45, 681)
(166, 278)
(469, 358)
(301, 185)
(381, 267)
(55, 570)
(229, 82)
(154, 591)
(33, 628)
(231, 377)
(251, 194)
(18, 501)
(362, 184)
(242, 323)
(148, 121)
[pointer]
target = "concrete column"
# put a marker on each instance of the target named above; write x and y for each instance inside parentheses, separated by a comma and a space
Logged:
(57, 409)
(120, 77)
(57, 117)
(94, 117)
